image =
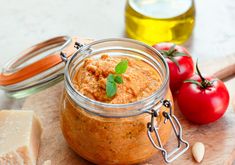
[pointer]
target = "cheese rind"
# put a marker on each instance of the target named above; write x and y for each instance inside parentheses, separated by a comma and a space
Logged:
(20, 134)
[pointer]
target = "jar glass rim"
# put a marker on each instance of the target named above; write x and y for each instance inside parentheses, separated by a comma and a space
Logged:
(164, 84)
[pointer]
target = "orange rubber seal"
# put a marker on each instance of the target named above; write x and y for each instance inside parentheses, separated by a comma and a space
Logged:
(51, 60)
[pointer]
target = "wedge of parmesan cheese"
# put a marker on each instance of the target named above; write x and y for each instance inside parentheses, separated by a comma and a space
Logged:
(20, 134)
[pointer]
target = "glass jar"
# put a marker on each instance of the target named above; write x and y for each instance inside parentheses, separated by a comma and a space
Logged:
(160, 20)
(119, 133)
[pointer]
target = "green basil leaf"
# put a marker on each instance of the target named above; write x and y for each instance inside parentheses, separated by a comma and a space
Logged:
(121, 67)
(113, 80)
(118, 79)
(110, 78)
(111, 87)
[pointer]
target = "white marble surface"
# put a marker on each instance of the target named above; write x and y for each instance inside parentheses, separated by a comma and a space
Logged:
(26, 22)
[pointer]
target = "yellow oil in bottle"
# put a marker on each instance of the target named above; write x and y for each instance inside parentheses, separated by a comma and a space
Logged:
(154, 21)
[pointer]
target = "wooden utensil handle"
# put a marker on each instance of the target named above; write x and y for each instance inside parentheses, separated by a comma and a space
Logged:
(226, 72)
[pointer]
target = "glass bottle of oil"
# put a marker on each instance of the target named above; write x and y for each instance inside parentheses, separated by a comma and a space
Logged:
(154, 21)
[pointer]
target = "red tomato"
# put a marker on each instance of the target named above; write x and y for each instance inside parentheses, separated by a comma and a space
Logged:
(203, 101)
(179, 61)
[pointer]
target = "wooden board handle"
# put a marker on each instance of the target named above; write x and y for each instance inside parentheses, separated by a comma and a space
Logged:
(226, 73)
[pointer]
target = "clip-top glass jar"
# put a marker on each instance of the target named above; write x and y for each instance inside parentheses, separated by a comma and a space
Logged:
(130, 133)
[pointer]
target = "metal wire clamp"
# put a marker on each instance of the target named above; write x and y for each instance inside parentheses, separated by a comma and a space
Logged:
(63, 55)
(152, 127)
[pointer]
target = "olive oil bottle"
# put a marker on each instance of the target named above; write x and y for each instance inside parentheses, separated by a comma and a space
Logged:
(154, 21)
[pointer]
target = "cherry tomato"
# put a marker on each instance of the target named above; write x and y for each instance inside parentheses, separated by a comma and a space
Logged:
(179, 61)
(203, 100)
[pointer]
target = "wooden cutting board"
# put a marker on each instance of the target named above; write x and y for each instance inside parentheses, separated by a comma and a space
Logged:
(218, 137)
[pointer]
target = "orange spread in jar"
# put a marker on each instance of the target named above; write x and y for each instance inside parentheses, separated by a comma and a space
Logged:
(139, 81)
(107, 140)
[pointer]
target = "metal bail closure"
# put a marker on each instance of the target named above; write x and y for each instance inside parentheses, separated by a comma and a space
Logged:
(178, 151)
(78, 45)
(63, 55)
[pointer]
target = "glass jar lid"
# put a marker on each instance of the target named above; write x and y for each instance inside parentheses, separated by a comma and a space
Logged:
(38, 67)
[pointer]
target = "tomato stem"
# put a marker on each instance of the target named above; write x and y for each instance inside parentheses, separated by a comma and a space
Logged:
(198, 72)
(171, 54)
(204, 83)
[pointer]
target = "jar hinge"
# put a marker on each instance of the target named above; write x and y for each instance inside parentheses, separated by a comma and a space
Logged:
(152, 127)
(63, 55)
